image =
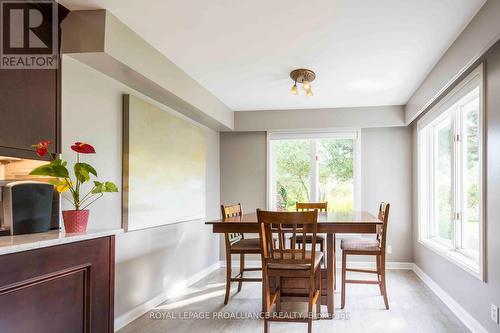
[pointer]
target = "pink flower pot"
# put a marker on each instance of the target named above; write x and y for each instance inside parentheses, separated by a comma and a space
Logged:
(75, 220)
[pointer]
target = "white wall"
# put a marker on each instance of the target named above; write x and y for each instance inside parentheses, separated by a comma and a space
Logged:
(99, 39)
(149, 262)
(479, 35)
(386, 164)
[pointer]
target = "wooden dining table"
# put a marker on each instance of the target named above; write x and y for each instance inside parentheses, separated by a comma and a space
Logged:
(329, 223)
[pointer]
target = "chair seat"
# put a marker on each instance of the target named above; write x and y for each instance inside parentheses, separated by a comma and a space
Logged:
(288, 256)
(319, 238)
(247, 244)
(363, 244)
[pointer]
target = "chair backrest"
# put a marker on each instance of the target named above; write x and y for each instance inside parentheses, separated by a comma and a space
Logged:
(228, 212)
(383, 215)
(291, 224)
(306, 206)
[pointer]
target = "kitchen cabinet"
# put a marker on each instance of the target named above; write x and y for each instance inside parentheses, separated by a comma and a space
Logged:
(59, 289)
(30, 106)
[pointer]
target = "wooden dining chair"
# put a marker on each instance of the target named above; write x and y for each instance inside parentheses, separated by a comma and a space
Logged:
(236, 243)
(321, 207)
(280, 261)
(375, 247)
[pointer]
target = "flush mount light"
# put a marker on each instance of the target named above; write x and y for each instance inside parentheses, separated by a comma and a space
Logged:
(304, 76)
(294, 89)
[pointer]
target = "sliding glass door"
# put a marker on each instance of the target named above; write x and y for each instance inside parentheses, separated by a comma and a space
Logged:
(315, 167)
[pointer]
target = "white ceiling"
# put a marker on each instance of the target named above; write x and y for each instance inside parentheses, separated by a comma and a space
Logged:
(365, 52)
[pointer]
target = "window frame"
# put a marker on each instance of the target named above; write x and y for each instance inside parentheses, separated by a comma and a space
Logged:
(354, 134)
(424, 182)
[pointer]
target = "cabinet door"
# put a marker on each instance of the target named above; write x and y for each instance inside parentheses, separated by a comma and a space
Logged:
(28, 107)
(59, 289)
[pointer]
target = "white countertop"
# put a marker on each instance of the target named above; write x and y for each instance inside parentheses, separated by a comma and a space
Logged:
(13, 244)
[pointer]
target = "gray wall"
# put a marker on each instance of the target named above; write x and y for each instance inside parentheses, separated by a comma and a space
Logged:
(150, 262)
(472, 294)
(355, 117)
(243, 166)
(386, 165)
(243, 169)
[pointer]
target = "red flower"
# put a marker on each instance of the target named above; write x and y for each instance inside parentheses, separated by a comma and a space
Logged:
(42, 147)
(82, 147)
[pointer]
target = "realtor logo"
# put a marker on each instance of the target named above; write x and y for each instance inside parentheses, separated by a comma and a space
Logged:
(29, 36)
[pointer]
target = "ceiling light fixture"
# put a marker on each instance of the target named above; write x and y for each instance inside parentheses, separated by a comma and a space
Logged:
(304, 76)
(294, 89)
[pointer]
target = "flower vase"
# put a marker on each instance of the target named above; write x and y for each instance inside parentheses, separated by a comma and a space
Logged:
(75, 220)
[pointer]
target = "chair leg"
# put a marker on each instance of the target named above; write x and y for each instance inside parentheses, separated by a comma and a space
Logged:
(318, 301)
(266, 325)
(266, 300)
(344, 259)
(322, 247)
(382, 281)
(334, 265)
(312, 287)
(379, 274)
(242, 267)
(278, 296)
(228, 276)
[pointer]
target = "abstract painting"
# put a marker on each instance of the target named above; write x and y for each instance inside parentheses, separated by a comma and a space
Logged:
(163, 166)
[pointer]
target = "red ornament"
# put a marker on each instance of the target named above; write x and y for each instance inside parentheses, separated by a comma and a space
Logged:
(83, 148)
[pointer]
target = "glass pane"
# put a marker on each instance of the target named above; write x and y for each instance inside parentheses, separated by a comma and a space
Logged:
(471, 180)
(293, 168)
(336, 178)
(443, 179)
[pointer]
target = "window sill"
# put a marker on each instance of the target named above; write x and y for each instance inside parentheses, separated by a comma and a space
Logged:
(455, 257)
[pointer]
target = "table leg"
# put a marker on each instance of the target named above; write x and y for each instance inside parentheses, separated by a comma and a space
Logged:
(334, 265)
(330, 271)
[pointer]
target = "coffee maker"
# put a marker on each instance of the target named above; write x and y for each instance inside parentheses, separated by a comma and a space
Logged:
(27, 207)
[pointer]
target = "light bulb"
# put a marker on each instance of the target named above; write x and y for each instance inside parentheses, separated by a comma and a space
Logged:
(306, 85)
(294, 90)
(309, 92)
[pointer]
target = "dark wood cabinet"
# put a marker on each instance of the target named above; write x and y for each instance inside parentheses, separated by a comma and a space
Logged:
(63, 288)
(28, 107)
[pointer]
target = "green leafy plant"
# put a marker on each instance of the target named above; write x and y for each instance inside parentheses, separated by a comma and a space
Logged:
(57, 169)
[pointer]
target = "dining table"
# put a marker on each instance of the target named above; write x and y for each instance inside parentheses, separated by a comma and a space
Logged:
(329, 223)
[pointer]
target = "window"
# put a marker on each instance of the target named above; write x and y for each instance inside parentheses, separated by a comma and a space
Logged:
(450, 175)
(314, 167)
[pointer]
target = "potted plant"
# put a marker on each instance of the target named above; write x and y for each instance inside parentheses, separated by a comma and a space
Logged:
(75, 220)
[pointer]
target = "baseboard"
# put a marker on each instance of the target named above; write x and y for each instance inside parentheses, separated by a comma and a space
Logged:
(173, 291)
(456, 308)
(351, 264)
(138, 311)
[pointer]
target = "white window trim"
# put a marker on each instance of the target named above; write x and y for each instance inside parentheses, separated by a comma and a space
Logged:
(327, 133)
(453, 255)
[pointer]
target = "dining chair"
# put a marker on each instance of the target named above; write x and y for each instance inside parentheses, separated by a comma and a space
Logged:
(375, 247)
(236, 243)
(292, 262)
(321, 207)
